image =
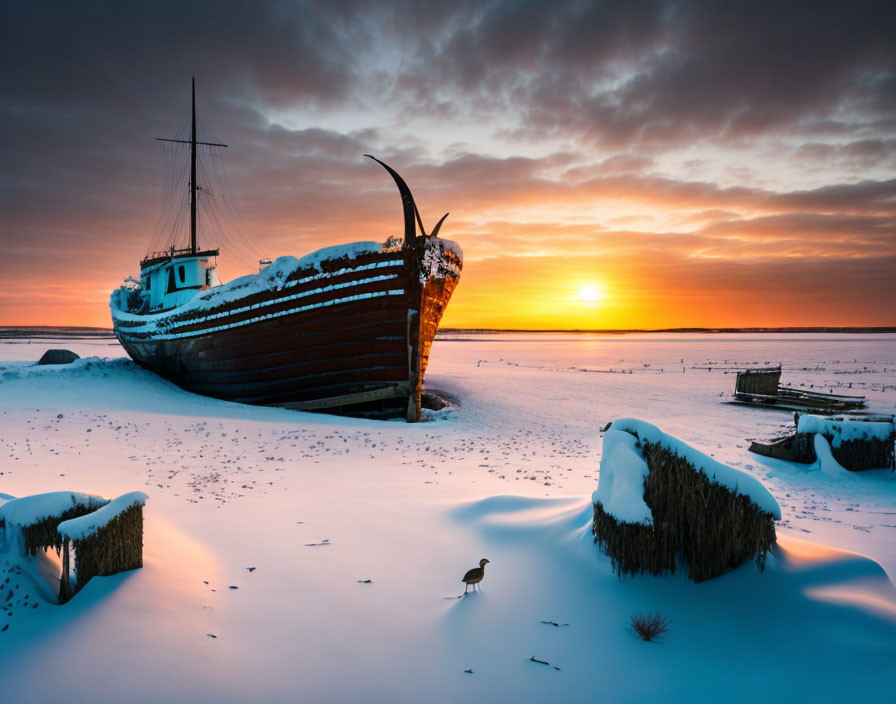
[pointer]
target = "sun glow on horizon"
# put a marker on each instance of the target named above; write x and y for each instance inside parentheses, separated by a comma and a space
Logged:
(590, 293)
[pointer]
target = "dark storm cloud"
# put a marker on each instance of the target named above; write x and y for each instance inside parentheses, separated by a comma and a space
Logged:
(649, 71)
(658, 72)
(100, 53)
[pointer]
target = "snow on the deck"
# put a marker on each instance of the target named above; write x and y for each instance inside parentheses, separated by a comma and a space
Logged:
(739, 482)
(845, 429)
(81, 527)
(273, 276)
(620, 488)
(32, 509)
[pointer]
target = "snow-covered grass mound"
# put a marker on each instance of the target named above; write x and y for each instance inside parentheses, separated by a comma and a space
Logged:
(660, 501)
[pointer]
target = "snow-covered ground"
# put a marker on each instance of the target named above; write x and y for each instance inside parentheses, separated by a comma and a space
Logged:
(318, 505)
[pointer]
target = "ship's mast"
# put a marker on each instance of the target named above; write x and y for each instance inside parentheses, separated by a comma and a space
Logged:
(194, 240)
(193, 248)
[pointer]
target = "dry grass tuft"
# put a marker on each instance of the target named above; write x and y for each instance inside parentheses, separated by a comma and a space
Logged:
(650, 626)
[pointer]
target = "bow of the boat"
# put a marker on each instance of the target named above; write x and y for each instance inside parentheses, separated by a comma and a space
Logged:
(441, 265)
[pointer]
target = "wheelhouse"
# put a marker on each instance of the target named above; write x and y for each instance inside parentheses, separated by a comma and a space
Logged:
(172, 278)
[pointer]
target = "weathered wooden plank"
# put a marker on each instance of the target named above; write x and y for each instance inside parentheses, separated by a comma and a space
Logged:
(369, 323)
(394, 391)
(308, 386)
(298, 370)
(272, 357)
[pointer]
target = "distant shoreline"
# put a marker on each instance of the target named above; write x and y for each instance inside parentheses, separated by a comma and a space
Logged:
(36, 331)
(854, 330)
(42, 331)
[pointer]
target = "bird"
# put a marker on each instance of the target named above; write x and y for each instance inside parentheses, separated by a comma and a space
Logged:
(475, 575)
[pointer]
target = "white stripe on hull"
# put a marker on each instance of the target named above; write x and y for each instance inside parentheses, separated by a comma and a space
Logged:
(159, 317)
(300, 309)
(151, 326)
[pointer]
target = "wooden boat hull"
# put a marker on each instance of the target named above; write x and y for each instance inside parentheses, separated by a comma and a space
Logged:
(783, 448)
(350, 337)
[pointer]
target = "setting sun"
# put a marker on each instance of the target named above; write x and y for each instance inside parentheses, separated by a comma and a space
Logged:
(590, 293)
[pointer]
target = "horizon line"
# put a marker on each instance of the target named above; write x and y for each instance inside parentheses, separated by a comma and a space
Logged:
(5, 330)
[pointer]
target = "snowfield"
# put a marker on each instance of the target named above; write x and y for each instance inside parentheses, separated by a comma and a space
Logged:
(293, 557)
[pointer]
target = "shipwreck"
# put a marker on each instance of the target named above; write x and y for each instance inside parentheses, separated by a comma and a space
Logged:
(346, 329)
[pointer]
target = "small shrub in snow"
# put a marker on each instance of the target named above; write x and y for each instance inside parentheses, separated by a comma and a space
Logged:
(650, 626)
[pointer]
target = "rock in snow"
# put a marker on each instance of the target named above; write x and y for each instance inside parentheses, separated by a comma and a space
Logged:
(58, 357)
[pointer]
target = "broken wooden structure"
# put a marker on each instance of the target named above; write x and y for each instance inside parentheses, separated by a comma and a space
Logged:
(94, 537)
(762, 387)
(858, 443)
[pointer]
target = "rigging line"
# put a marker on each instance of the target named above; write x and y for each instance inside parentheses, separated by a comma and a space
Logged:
(218, 203)
(233, 255)
(180, 222)
(208, 134)
(233, 248)
(228, 206)
(231, 202)
(169, 219)
(174, 187)
(179, 196)
(236, 246)
(185, 119)
(166, 224)
(217, 206)
(165, 203)
(173, 182)
(173, 202)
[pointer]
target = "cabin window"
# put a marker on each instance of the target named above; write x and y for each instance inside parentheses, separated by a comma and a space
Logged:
(172, 286)
(182, 273)
(149, 283)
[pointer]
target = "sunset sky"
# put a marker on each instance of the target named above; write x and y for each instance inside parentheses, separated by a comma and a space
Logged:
(606, 164)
